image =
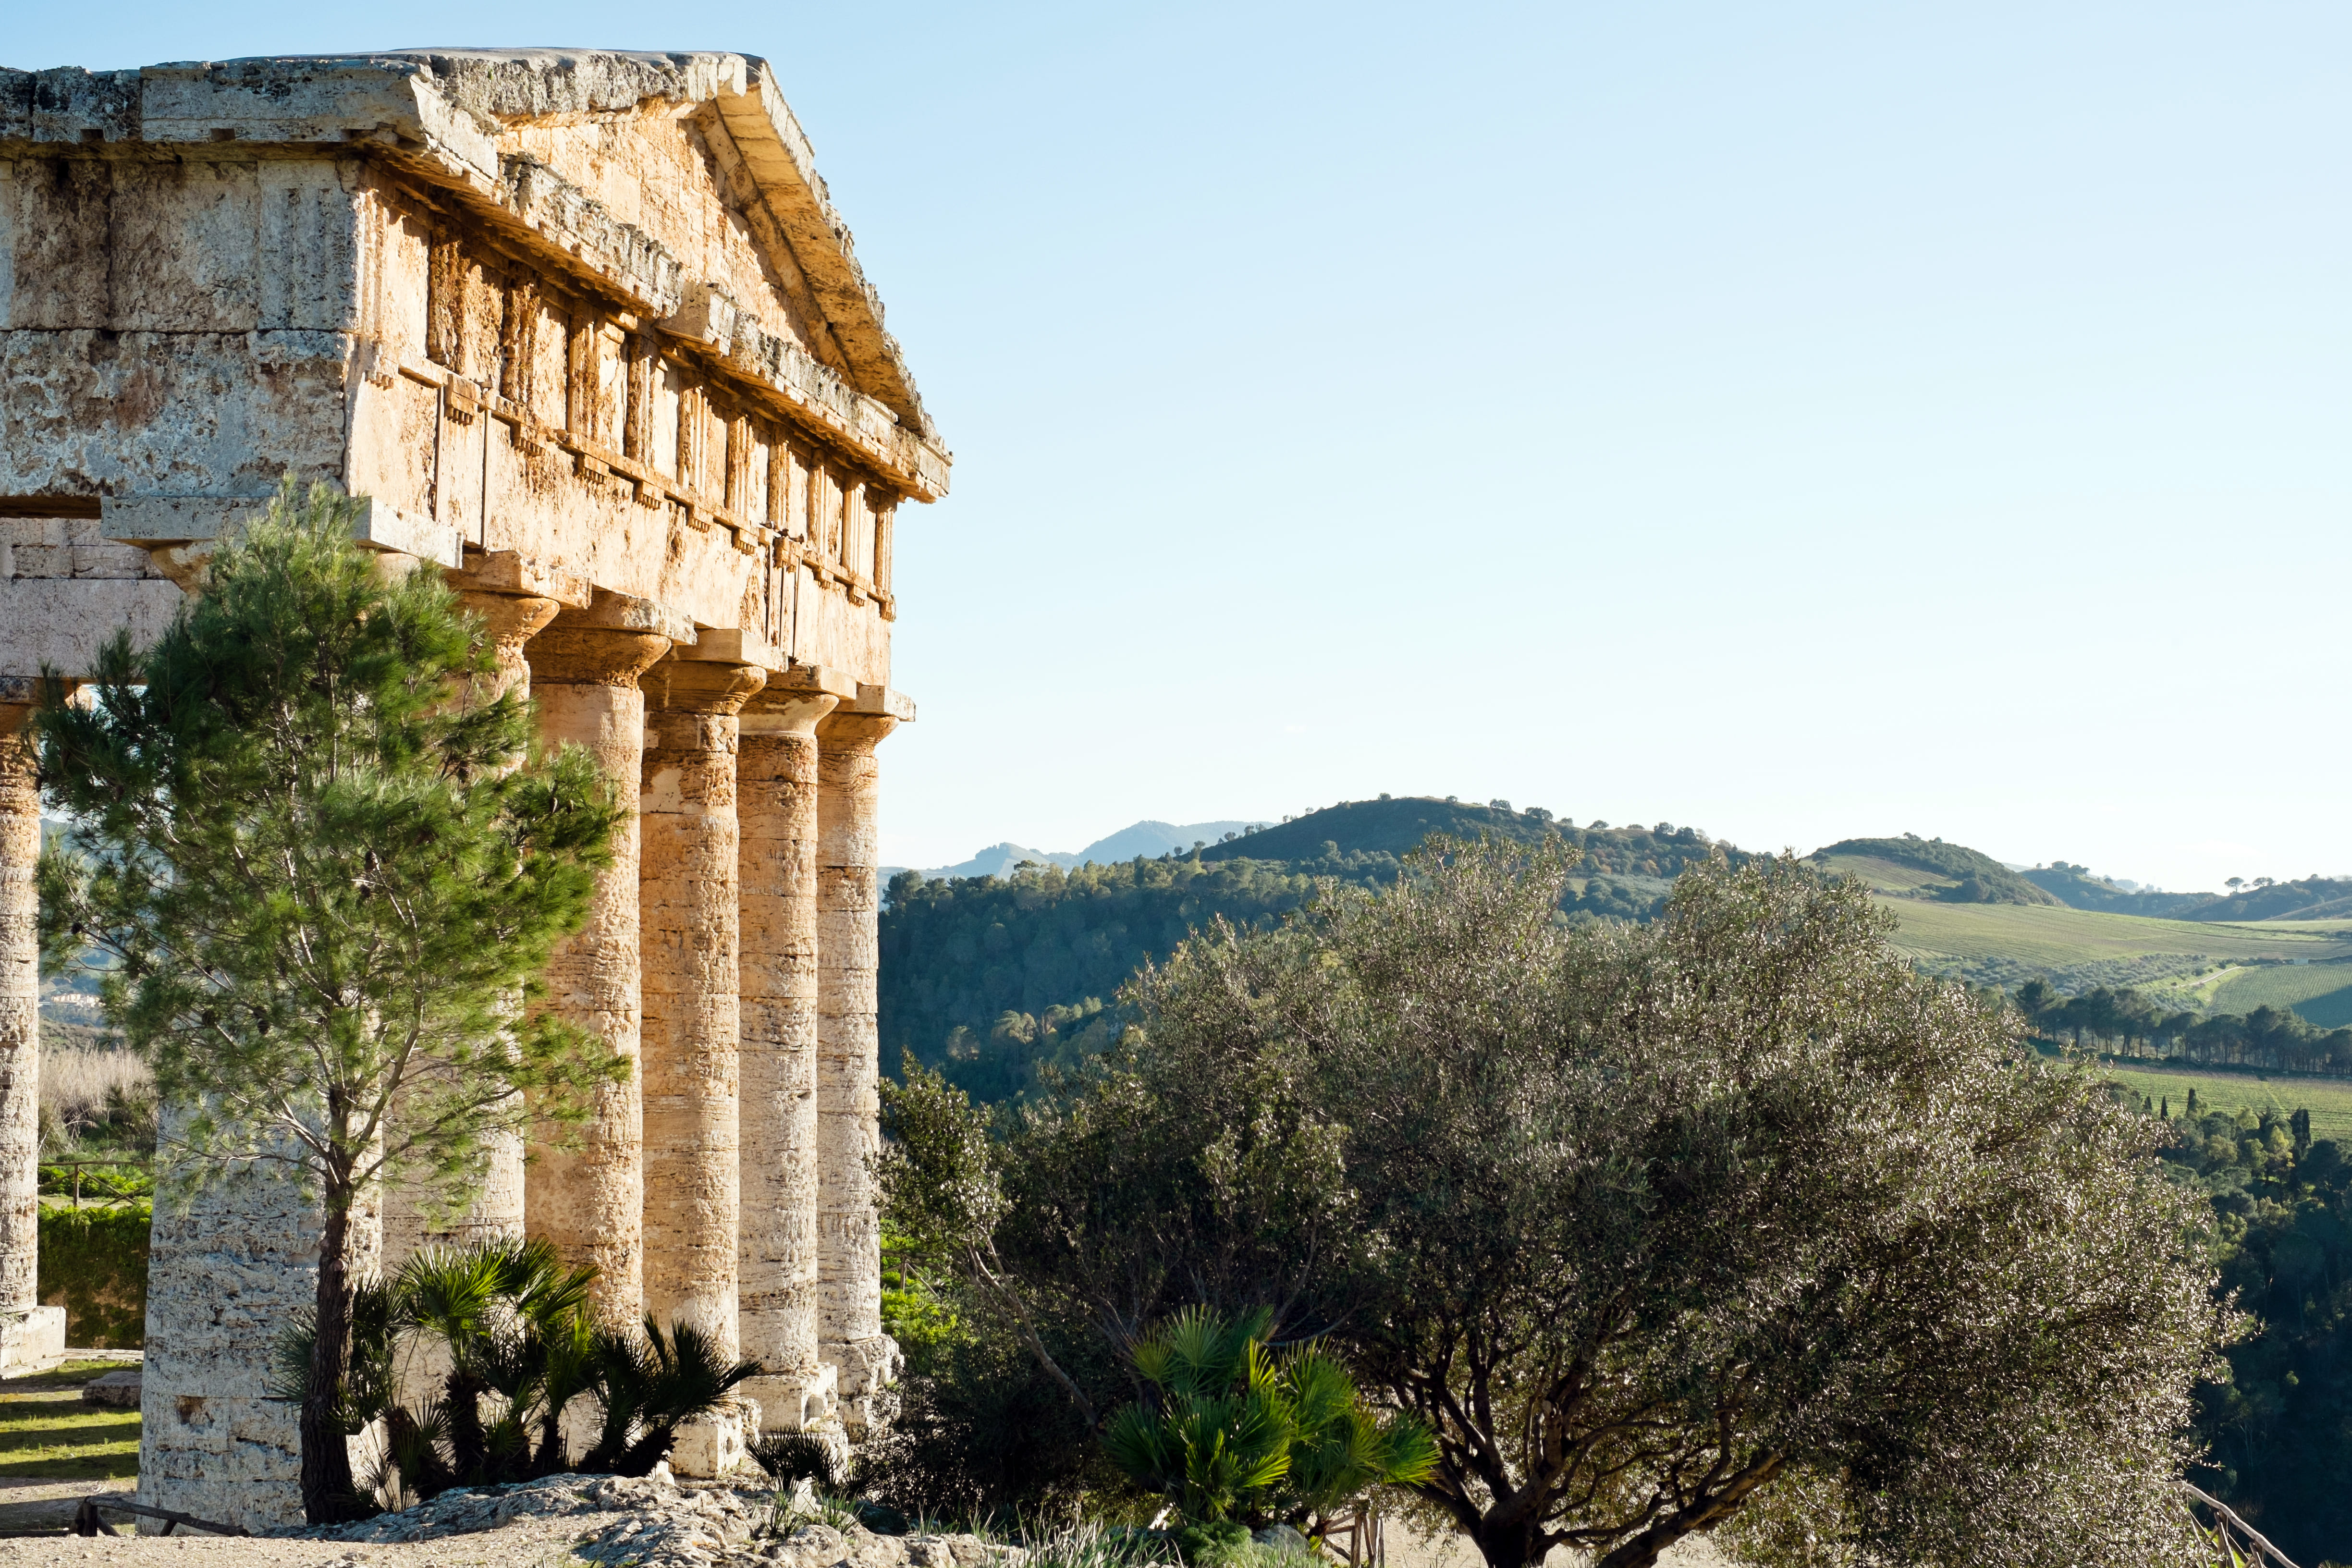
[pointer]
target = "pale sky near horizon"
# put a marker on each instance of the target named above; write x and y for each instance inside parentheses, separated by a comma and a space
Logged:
(1796, 421)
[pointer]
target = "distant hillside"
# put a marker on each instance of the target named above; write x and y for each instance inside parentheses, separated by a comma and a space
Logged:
(1915, 868)
(1382, 826)
(1158, 838)
(2076, 888)
(1150, 838)
(992, 977)
(2204, 966)
(2311, 898)
(1396, 827)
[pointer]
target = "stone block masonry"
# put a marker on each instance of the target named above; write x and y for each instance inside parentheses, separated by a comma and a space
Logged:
(587, 332)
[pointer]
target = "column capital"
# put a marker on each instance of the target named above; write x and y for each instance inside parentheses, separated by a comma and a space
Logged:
(19, 695)
(883, 699)
(796, 700)
(685, 683)
(611, 641)
(520, 577)
(511, 620)
(843, 730)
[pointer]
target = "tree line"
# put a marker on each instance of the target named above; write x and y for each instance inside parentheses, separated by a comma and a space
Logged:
(2123, 1021)
(2276, 1443)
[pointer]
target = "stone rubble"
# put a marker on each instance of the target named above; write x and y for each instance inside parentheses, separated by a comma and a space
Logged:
(651, 1523)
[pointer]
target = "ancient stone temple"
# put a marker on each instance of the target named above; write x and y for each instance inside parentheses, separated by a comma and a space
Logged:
(587, 332)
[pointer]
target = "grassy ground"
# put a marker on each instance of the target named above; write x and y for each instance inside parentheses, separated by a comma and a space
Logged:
(46, 1430)
(2322, 993)
(2329, 1100)
(1885, 876)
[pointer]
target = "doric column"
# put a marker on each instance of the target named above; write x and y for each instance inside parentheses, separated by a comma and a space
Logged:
(516, 598)
(849, 1259)
(27, 1327)
(687, 888)
(776, 782)
(591, 1203)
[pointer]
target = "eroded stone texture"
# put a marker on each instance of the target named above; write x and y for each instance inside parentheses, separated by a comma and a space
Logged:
(849, 1261)
(413, 1216)
(232, 1259)
(20, 1011)
(687, 881)
(777, 1307)
(589, 1201)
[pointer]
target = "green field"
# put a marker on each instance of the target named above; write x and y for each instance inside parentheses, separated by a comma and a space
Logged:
(2007, 944)
(2321, 992)
(2329, 1100)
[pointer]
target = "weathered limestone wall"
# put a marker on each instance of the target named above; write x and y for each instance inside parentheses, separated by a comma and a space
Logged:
(231, 1263)
(173, 328)
(777, 803)
(849, 1267)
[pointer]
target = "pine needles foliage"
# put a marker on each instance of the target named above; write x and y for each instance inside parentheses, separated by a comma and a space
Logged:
(328, 863)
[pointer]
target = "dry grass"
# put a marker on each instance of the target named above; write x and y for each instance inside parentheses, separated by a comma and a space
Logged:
(75, 1082)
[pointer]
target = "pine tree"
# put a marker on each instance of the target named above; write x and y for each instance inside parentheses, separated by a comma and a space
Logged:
(324, 863)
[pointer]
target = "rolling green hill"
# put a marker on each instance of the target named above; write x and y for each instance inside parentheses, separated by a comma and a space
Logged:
(1383, 826)
(1915, 868)
(991, 976)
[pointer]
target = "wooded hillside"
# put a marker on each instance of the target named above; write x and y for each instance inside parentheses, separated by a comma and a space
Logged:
(990, 978)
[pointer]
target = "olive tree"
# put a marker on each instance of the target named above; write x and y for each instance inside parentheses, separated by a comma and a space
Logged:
(1653, 1226)
(323, 863)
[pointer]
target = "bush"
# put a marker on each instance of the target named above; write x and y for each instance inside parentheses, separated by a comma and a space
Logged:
(94, 1264)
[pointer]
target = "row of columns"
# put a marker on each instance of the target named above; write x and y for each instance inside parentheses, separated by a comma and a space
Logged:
(730, 954)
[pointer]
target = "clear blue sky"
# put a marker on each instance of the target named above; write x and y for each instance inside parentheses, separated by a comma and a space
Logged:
(1798, 421)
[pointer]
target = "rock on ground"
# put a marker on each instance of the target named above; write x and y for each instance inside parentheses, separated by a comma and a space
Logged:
(552, 1523)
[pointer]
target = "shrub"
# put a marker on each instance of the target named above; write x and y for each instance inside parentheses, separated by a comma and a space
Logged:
(94, 1264)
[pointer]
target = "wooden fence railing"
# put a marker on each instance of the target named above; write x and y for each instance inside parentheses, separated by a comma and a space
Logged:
(2236, 1543)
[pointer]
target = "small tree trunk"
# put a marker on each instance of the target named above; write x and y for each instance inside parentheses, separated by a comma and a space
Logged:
(328, 1495)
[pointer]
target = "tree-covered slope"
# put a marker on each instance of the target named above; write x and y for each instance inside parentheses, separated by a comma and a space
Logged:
(984, 976)
(2077, 888)
(1951, 873)
(988, 977)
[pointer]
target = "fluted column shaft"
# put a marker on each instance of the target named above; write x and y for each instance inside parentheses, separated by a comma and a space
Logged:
(20, 1010)
(776, 776)
(415, 1216)
(687, 885)
(849, 1261)
(591, 1202)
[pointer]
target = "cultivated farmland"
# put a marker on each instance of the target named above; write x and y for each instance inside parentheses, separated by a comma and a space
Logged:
(2008, 945)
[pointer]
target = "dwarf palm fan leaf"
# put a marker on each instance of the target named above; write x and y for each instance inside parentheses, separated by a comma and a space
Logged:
(649, 1387)
(1232, 1427)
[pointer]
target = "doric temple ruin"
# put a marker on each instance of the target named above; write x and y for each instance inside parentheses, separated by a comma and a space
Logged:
(587, 332)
